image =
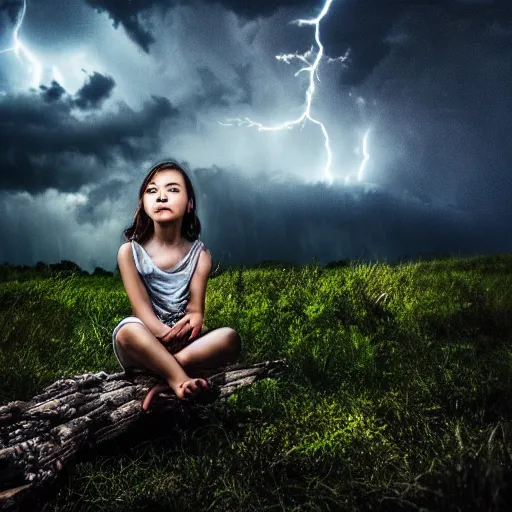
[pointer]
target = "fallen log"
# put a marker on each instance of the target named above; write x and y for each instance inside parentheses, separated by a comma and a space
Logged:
(74, 415)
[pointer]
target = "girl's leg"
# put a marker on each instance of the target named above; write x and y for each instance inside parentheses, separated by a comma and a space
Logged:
(144, 349)
(213, 349)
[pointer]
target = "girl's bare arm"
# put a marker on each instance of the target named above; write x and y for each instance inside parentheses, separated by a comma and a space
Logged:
(198, 283)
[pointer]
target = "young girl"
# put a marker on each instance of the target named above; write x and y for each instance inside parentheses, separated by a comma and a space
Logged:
(165, 267)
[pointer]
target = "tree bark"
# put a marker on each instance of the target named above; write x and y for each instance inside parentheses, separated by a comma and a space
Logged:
(71, 416)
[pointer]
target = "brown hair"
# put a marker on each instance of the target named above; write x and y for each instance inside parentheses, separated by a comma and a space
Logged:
(143, 227)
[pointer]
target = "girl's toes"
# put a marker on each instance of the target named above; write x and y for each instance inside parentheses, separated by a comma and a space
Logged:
(189, 391)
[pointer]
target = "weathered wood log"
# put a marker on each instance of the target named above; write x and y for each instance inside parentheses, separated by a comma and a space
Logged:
(39, 437)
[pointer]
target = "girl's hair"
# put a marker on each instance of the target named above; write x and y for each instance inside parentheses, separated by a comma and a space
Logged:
(143, 227)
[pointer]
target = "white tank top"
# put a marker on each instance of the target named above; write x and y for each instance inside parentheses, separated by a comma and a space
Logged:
(168, 290)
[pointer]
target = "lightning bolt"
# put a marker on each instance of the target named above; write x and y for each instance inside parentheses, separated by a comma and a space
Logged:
(36, 69)
(366, 157)
(312, 68)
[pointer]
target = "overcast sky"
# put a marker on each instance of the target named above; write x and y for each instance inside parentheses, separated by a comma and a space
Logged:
(415, 96)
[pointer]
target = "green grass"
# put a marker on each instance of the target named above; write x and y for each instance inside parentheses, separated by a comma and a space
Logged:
(398, 396)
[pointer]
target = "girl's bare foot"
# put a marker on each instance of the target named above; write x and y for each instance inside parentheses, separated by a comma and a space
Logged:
(189, 388)
(151, 393)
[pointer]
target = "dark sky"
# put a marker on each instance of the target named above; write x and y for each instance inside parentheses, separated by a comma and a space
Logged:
(418, 118)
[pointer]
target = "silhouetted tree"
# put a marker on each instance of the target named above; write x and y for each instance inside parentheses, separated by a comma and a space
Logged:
(98, 271)
(65, 265)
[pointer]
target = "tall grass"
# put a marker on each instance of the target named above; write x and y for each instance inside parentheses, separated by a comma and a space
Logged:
(398, 397)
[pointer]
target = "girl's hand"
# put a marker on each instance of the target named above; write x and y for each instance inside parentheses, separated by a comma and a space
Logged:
(190, 322)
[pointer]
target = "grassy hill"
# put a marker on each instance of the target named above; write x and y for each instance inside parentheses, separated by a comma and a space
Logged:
(399, 396)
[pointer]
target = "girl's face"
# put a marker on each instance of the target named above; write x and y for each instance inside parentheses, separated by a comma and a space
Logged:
(165, 198)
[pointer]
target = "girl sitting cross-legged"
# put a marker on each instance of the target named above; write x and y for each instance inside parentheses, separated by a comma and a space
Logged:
(165, 267)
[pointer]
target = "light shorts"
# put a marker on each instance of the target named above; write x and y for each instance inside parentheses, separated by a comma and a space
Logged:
(123, 358)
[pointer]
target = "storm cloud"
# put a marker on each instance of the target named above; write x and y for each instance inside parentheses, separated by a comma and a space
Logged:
(97, 89)
(126, 84)
(56, 149)
(443, 99)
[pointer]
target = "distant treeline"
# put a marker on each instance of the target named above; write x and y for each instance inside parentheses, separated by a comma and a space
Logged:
(67, 267)
(64, 267)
